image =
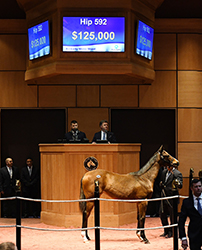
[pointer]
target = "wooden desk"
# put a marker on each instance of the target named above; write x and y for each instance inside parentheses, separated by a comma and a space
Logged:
(61, 171)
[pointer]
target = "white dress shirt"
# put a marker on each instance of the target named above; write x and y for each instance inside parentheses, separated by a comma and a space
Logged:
(103, 135)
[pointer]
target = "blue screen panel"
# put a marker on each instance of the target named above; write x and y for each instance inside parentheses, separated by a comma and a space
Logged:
(93, 34)
(39, 40)
(145, 35)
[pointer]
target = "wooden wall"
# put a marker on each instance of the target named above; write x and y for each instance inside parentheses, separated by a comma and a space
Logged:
(178, 85)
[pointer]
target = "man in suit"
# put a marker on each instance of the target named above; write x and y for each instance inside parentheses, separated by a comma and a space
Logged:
(168, 175)
(8, 176)
(192, 208)
(104, 134)
(30, 187)
(74, 134)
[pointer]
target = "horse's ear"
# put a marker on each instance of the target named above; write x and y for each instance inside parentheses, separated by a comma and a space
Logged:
(160, 149)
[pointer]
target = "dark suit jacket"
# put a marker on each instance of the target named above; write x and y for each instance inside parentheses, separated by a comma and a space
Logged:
(195, 224)
(110, 137)
(168, 184)
(69, 136)
(30, 183)
(6, 183)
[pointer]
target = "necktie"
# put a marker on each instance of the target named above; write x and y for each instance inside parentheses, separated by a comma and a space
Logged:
(10, 172)
(167, 175)
(199, 206)
(104, 136)
(30, 171)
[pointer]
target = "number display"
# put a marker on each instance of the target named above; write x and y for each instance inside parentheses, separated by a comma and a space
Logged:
(97, 34)
(145, 37)
(39, 43)
(92, 36)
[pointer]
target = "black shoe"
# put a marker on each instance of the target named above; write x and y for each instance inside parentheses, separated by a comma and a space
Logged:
(169, 235)
(25, 216)
(164, 235)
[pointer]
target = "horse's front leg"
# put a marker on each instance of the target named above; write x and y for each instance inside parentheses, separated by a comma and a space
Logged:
(141, 213)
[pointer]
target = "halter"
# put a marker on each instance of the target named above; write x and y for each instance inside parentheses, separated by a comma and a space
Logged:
(170, 162)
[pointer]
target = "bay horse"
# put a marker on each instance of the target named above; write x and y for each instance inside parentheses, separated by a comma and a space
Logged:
(134, 185)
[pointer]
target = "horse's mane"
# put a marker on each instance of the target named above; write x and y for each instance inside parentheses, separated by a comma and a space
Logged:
(147, 166)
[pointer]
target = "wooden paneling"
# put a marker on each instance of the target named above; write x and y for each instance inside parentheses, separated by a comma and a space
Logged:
(88, 119)
(189, 89)
(165, 52)
(184, 191)
(57, 96)
(119, 96)
(189, 52)
(189, 156)
(13, 52)
(189, 125)
(88, 96)
(14, 92)
(13, 26)
(178, 25)
(161, 93)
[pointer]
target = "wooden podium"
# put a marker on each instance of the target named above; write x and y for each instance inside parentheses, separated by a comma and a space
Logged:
(62, 167)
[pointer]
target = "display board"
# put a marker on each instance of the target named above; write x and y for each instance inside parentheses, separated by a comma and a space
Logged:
(39, 40)
(93, 34)
(145, 36)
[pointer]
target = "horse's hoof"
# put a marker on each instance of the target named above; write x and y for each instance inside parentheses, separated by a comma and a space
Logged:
(146, 241)
(86, 240)
(85, 237)
(139, 236)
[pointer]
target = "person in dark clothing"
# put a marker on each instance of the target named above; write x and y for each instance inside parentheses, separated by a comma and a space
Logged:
(8, 176)
(169, 175)
(30, 188)
(192, 208)
(104, 134)
(74, 134)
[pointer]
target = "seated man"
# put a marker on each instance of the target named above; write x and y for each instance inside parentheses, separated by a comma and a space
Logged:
(104, 134)
(75, 134)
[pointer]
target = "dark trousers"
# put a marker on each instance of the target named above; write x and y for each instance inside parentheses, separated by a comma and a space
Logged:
(9, 206)
(30, 208)
(194, 245)
(166, 210)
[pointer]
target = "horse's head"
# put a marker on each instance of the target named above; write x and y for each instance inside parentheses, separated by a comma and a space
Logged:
(167, 159)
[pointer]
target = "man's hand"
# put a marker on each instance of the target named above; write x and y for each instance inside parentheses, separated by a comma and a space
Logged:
(161, 185)
(184, 244)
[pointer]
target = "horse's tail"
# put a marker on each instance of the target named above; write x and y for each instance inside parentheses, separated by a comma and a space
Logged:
(82, 204)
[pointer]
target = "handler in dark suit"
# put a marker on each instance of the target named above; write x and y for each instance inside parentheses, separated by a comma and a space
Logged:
(190, 208)
(104, 134)
(8, 176)
(168, 175)
(30, 187)
(74, 134)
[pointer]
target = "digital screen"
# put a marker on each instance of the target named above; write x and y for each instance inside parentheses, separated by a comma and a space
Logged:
(93, 34)
(39, 40)
(145, 35)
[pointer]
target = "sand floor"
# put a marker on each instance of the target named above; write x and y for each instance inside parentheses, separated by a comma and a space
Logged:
(109, 240)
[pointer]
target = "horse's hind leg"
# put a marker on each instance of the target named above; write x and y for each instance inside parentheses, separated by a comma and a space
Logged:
(86, 214)
(141, 213)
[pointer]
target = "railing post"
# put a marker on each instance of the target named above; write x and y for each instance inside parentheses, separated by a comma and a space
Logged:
(97, 217)
(175, 229)
(18, 222)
